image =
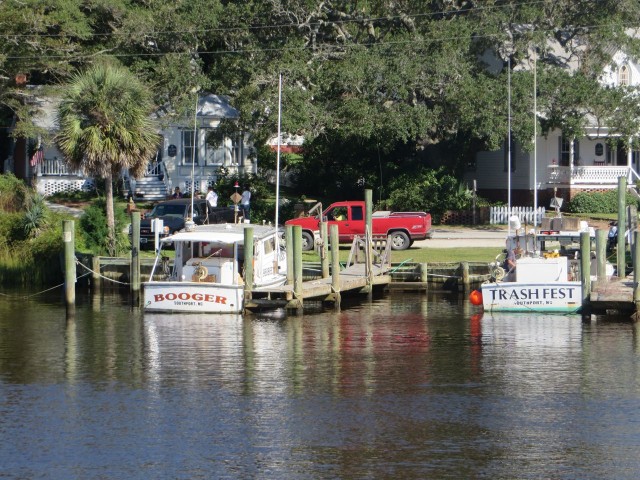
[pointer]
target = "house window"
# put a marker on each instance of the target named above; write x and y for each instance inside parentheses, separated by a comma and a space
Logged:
(223, 151)
(564, 151)
(237, 150)
(599, 149)
(623, 75)
(189, 152)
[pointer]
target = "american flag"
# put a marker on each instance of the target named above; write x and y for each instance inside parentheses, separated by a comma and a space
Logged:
(37, 157)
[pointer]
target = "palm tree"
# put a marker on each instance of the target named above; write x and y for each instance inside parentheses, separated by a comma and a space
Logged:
(105, 128)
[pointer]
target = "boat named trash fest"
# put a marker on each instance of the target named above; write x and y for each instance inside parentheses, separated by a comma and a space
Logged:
(543, 280)
(207, 275)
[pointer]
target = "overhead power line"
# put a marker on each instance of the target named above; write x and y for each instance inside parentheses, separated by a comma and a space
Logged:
(414, 16)
(326, 47)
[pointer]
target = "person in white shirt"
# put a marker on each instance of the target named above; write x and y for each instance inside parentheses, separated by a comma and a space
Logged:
(212, 202)
(245, 202)
(212, 197)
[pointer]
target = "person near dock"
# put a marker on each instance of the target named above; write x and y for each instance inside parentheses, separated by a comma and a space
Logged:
(212, 197)
(513, 252)
(245, 203)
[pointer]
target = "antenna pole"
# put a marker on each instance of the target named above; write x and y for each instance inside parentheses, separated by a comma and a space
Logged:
(535, 136)
(509, 140)
(193, 152)
(278, 152)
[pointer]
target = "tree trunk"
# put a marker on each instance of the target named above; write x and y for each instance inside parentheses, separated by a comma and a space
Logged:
(111, 221)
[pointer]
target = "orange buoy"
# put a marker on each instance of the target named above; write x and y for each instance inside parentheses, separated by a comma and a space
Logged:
(475, 297)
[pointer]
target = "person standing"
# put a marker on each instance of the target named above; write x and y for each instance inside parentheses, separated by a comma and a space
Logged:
(177, 193)
(212, 197)
(245, 202)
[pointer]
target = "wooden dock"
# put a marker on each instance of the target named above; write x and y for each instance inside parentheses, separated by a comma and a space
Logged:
(352, 279)
(614, 295)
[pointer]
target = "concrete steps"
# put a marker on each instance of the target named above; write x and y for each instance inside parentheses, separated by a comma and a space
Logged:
(150, 189)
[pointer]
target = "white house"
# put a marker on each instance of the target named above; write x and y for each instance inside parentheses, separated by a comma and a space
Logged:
(183, 154)
(591, 163)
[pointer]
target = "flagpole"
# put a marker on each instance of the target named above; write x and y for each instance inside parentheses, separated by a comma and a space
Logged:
(278, 152)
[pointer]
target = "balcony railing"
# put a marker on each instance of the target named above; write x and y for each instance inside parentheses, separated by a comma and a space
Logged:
(586, 175)
(56, 167)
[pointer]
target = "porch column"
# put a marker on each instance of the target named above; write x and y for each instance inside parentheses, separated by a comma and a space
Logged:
(572, 152)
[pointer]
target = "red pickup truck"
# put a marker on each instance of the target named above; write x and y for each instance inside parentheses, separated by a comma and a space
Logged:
(400, 228)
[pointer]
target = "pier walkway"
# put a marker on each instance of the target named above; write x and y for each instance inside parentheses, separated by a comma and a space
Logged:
(352, 279)
(614, 294)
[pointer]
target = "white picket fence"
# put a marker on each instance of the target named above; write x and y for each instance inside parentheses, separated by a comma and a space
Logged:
(527, 215)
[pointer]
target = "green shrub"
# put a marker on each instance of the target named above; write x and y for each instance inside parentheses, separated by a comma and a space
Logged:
(598, 202)
(35, 218)
(93, 225)
(14, 194)
(433, 191)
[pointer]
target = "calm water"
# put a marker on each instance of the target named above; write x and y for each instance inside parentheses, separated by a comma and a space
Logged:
(408, 386)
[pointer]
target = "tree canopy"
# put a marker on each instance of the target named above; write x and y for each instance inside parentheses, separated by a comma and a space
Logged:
(375, 83)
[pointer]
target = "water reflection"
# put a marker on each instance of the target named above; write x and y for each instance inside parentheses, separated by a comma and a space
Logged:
(409, 386)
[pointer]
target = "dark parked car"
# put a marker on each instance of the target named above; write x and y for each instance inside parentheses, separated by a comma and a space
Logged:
(174, 214)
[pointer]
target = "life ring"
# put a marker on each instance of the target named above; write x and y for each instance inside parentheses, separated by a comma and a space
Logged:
(200, 272)
(498, 273)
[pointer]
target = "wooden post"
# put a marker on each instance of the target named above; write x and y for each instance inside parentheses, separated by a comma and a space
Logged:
(601, 255)
(636, 270)
(297, 270)
(95, 274)
(585, 266)
(335, 265)
(248, 262)
(288, 239)
(68, 238)
(622, 227)
(135, 257)
(424, 275)
(466, 284)
(324, 250)
(368, 243)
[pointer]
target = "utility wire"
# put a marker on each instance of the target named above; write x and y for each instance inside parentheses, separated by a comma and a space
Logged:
(415, 16)
(324, 47)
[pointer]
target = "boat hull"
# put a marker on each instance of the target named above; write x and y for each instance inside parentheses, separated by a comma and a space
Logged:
(560, 297)
(193, 297)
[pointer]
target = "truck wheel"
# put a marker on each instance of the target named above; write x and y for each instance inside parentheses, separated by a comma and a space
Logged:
(399, 240)
(307, 241)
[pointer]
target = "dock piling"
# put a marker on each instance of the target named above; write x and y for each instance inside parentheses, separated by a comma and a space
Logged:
(622, 226)
(248, 262)
(135, 257)
(585, 266)
(601, 255)
(324, 250)
(335, 266)
(288, 240)
(636, 270)
(296, 303)
(68, 234)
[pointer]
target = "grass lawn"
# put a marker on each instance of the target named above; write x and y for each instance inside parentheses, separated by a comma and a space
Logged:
(427, 255)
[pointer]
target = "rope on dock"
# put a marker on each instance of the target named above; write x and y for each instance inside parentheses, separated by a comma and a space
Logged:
(100, 274)
(23, 297)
